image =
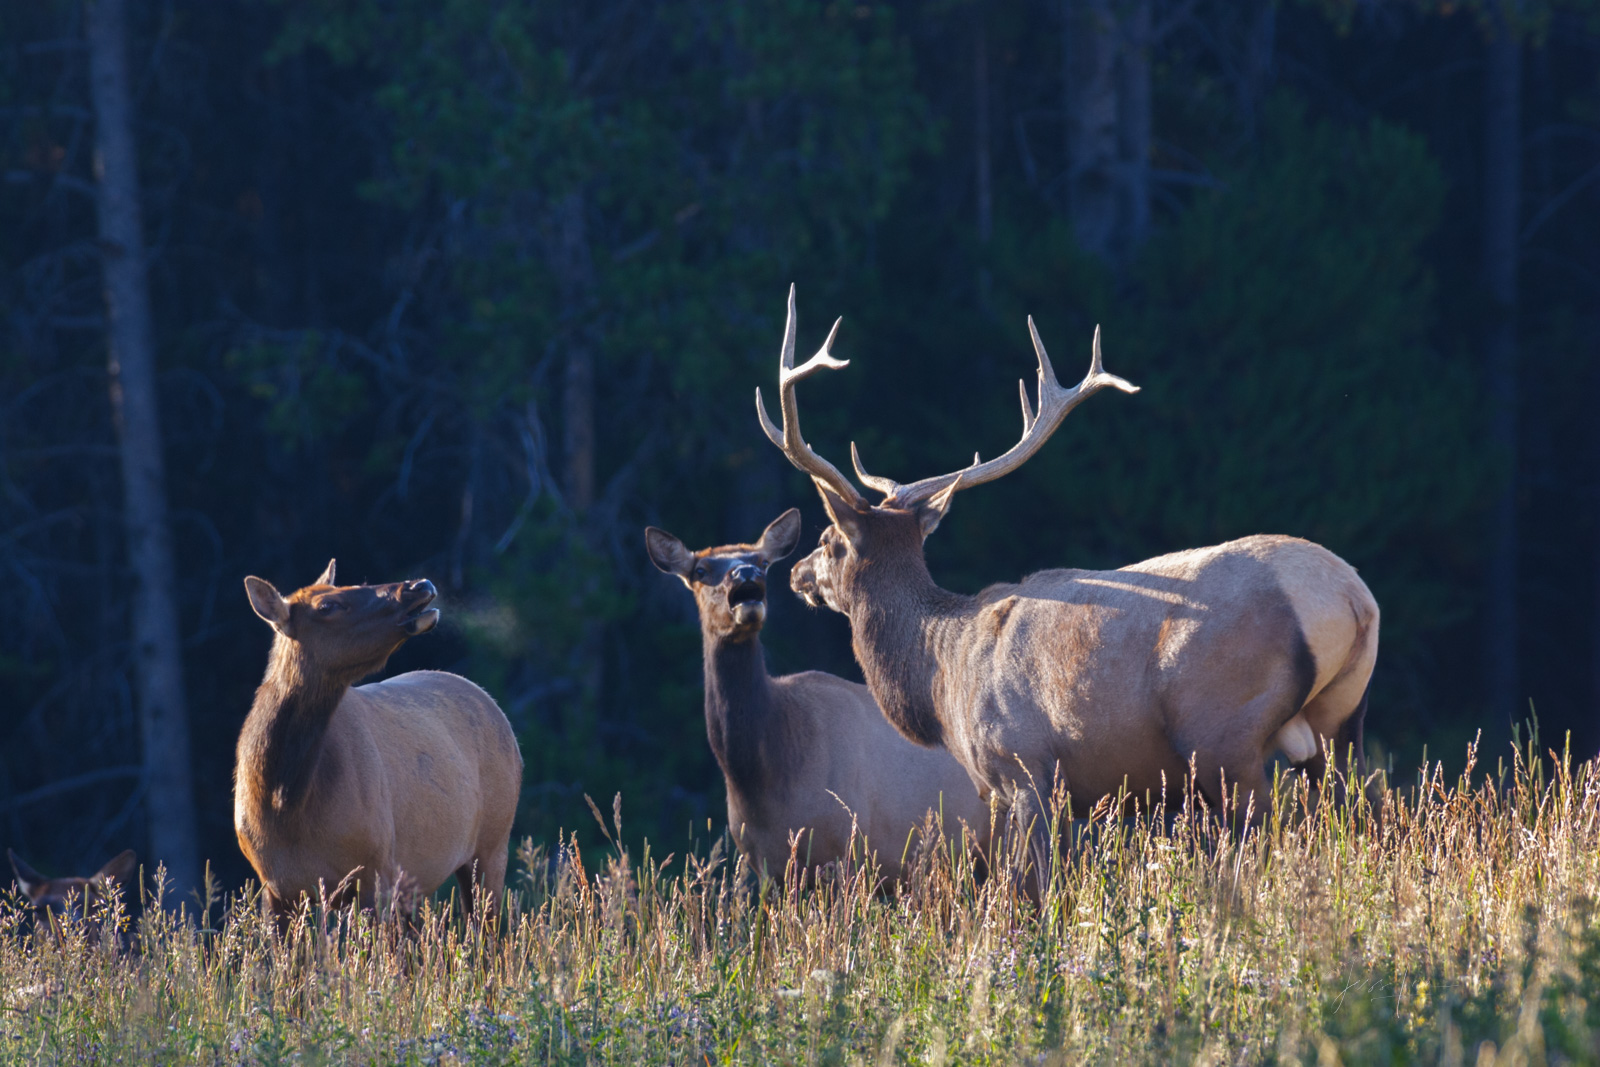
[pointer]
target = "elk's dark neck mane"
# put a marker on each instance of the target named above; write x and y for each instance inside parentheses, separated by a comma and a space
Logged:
(281, 743)
(744, 722)
(893, 626)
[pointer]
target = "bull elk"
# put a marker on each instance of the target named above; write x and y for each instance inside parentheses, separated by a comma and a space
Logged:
(402, 782)
(1120, 678)
(58, 901)
(805, 754)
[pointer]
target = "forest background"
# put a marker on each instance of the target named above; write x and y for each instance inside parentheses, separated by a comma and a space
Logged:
(475, 290)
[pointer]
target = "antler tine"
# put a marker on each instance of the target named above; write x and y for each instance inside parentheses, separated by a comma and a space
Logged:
(786, 356)
(1047, 373)
(823, 358)
(788, 373)
(886, 486)
(789, 438)
(1055, 403)
(774, 434)
(1097, 373)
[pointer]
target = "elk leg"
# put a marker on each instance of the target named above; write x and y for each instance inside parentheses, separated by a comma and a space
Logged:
(1233, 783)
(1228, 733)
(277, 909)
(492, 875)
(349, 890)
(1027, 836)
(1351, 738)
(1249, 793)
(482, 881)
(1347, 741)
(1021, 855)
(468, 882)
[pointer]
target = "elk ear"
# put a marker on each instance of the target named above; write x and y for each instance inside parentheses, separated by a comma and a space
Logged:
(931, 512)
(268, 603)
(779, 539)
(29, 879)
(668, 553)
(844, 516)
(327, 574)
(117, 871)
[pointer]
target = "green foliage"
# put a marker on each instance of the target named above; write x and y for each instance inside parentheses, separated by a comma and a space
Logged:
(642, 192)
(1291, 375)
(1285, 353)
(306, 394)
(1278, 334)
(1279, 331)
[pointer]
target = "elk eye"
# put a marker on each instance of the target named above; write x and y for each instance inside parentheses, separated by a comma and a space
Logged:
(328, 607)
(699, 574)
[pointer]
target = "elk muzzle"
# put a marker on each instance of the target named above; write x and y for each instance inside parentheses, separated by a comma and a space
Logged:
(415, 597)
(747, 596)
(803, 580)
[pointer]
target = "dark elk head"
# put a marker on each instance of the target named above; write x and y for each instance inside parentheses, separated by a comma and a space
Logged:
(346, 630)
(729, 583)
(59, 902)
(883, 541)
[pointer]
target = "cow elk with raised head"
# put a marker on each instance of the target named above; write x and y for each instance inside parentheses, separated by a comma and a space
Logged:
(1118, 679)
(392, 786)
(805, 754)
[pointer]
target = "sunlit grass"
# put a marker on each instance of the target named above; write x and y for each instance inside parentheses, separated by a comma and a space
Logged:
(1460, 929)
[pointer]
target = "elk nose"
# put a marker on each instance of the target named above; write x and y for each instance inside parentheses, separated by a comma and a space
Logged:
(421, 587)
(746, 572)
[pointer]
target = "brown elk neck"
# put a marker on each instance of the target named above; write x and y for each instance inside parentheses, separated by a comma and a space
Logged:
(281, 743)
(754, 741)
(901, 624)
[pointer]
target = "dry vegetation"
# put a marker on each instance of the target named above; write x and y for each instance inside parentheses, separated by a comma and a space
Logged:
(1461, 930)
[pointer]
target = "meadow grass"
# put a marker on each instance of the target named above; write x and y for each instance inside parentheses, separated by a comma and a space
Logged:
(1460, 928)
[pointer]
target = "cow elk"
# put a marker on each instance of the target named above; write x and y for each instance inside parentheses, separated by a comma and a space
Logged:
(59, 903)
(1115, 679)
(394, 785)
(805, 754)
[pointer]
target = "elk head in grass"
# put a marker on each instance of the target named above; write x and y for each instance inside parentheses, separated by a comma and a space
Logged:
(807, 758)
(1115, 679)
(59, 903)
(353, 790)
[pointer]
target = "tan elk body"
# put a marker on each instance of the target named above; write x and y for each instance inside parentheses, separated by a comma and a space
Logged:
(808, 756)
(392, 786)
(1216, 656)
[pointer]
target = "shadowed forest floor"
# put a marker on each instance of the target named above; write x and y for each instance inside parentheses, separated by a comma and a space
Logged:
(1459, 929)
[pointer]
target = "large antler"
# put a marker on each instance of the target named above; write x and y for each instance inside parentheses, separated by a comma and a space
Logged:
(1054, 404)
(789, 440)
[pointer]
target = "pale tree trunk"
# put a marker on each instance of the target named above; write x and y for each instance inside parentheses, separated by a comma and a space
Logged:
(157, 650)
(1106, 92)
(1133, 125)
(983, 165)
(574, 270)
(1594, 459)
(1502, 213)
(1258, 62)
(577, 427)
(1089, 52)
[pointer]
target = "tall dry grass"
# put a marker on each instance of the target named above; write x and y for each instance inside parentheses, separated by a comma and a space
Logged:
(1460, 930)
